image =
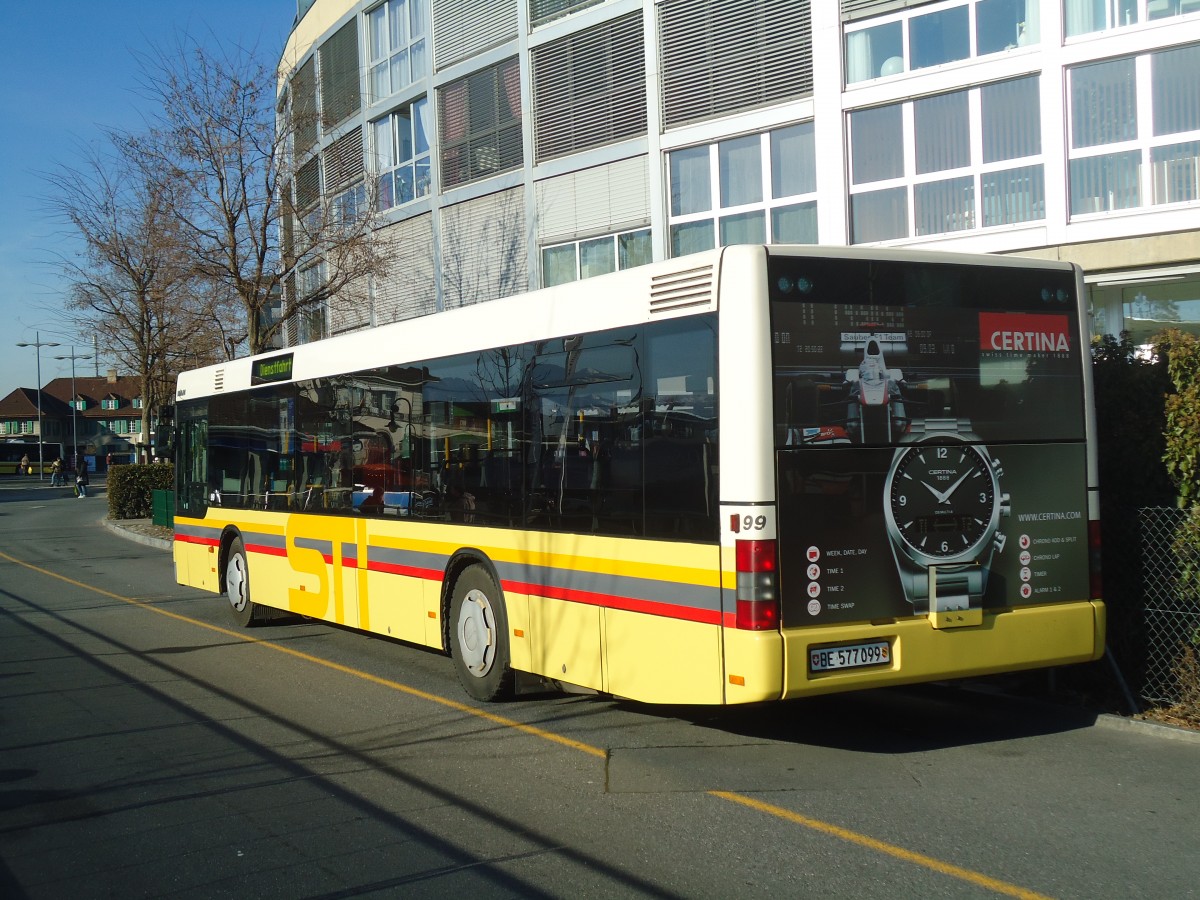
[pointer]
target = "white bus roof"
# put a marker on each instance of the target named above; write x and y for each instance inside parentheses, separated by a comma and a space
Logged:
(681, 286)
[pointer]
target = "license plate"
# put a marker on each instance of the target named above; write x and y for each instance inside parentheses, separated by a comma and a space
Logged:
(850, 656)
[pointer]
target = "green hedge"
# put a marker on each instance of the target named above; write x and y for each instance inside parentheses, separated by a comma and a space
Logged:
(130, 487)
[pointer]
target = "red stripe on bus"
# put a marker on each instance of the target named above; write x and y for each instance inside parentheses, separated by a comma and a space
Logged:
(409, 571)
(590, 598)
(610, 601)
(266, 551)
(195, 539)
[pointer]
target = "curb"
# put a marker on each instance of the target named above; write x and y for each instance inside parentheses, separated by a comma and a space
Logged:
(1108, 721)
(1160, 730)
(115, 528)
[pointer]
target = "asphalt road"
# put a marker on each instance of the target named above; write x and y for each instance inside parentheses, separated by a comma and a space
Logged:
(150, 749)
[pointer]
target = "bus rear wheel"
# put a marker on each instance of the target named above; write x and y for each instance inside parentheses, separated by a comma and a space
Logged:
(237, 586)
(479, 636)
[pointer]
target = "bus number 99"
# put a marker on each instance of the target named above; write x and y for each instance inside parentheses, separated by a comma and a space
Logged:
(738, 524)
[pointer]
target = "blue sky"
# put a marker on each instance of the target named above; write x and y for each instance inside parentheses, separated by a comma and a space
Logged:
(69, 70)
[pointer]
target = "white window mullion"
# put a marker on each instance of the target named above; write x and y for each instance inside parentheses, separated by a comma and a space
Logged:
(764, 172)
(909, 130)
(1144, 91)
(975, 111)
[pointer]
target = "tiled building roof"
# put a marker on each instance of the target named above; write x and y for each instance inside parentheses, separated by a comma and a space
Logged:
(123, 388)
(22, 404)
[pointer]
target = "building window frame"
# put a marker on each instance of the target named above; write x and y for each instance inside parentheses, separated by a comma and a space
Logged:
(568, 261)
(938, 34)
(1083, 18)
(757, 188)
(401, 155)
(543, 11)
(397, 44)
(1145, 152)
(910, 179)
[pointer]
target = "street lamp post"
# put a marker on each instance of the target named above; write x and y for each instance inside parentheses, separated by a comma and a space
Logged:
(72, 356)
(39, 343)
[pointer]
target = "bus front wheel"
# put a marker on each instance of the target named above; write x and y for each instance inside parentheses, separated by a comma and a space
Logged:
(479, 636)
(237, 586)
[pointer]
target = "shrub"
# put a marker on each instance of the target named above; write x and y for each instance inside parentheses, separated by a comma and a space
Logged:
(130, 488)
(1129, 392)
(1130, 422)
(1182, 454)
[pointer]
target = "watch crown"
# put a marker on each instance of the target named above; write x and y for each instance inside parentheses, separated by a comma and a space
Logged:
(1005, 504)
(1000, 541)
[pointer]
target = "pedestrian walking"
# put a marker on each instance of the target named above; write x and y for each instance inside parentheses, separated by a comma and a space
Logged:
(56, 472)
(25, 469)
(81, 479)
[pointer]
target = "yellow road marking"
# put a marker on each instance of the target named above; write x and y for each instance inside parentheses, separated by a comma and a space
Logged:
(845, 834)
(862, 840)
(328, 664)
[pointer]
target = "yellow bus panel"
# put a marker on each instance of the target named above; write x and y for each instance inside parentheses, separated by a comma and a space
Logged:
(1024, 638)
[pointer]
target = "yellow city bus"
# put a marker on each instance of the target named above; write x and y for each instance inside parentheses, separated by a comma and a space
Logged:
(750, 474)
(13, 451)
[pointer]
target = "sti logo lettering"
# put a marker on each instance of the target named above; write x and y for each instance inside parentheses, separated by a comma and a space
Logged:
(1023, 333)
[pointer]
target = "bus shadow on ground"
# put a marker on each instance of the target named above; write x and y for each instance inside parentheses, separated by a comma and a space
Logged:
(888, 740)
(891, 721)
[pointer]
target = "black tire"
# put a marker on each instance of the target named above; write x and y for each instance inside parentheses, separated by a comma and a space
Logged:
(244, 611)
(479, 636)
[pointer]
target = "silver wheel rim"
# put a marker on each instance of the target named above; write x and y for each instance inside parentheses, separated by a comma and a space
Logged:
(235, 582)
(476, 629)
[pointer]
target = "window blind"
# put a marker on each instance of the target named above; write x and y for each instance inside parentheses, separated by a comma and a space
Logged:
(344, 160)
(463, 28)
(724, 56)
(590, 88)
(341, 93)
(862, 9)
(304, 106)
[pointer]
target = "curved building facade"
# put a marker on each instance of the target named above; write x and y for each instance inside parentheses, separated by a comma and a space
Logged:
(515, 144)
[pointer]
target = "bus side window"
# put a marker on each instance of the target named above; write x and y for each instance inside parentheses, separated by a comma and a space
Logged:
(192, 463)
(681, 430)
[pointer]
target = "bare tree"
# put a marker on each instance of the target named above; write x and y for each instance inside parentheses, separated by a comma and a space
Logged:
(130, 282)
(253, 223)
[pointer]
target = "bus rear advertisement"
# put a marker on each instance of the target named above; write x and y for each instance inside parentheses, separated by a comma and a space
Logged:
(743, 475)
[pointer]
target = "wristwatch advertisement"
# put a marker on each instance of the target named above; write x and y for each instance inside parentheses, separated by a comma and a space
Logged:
(930, 434)
(883, 530)
(943, 505)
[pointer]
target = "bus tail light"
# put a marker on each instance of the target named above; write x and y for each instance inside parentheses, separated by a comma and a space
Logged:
(757, 585)
(1097, 581)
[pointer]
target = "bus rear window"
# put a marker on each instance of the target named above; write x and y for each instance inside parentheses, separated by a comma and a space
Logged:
(875, 352)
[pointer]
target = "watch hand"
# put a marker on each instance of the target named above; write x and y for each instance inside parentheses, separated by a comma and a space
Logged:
(943, 497)
(936, 493)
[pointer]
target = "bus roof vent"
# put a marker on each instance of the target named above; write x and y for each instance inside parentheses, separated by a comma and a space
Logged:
(219, 380)
(681, 290)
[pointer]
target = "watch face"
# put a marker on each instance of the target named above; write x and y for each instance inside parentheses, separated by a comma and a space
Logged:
(941, 500)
